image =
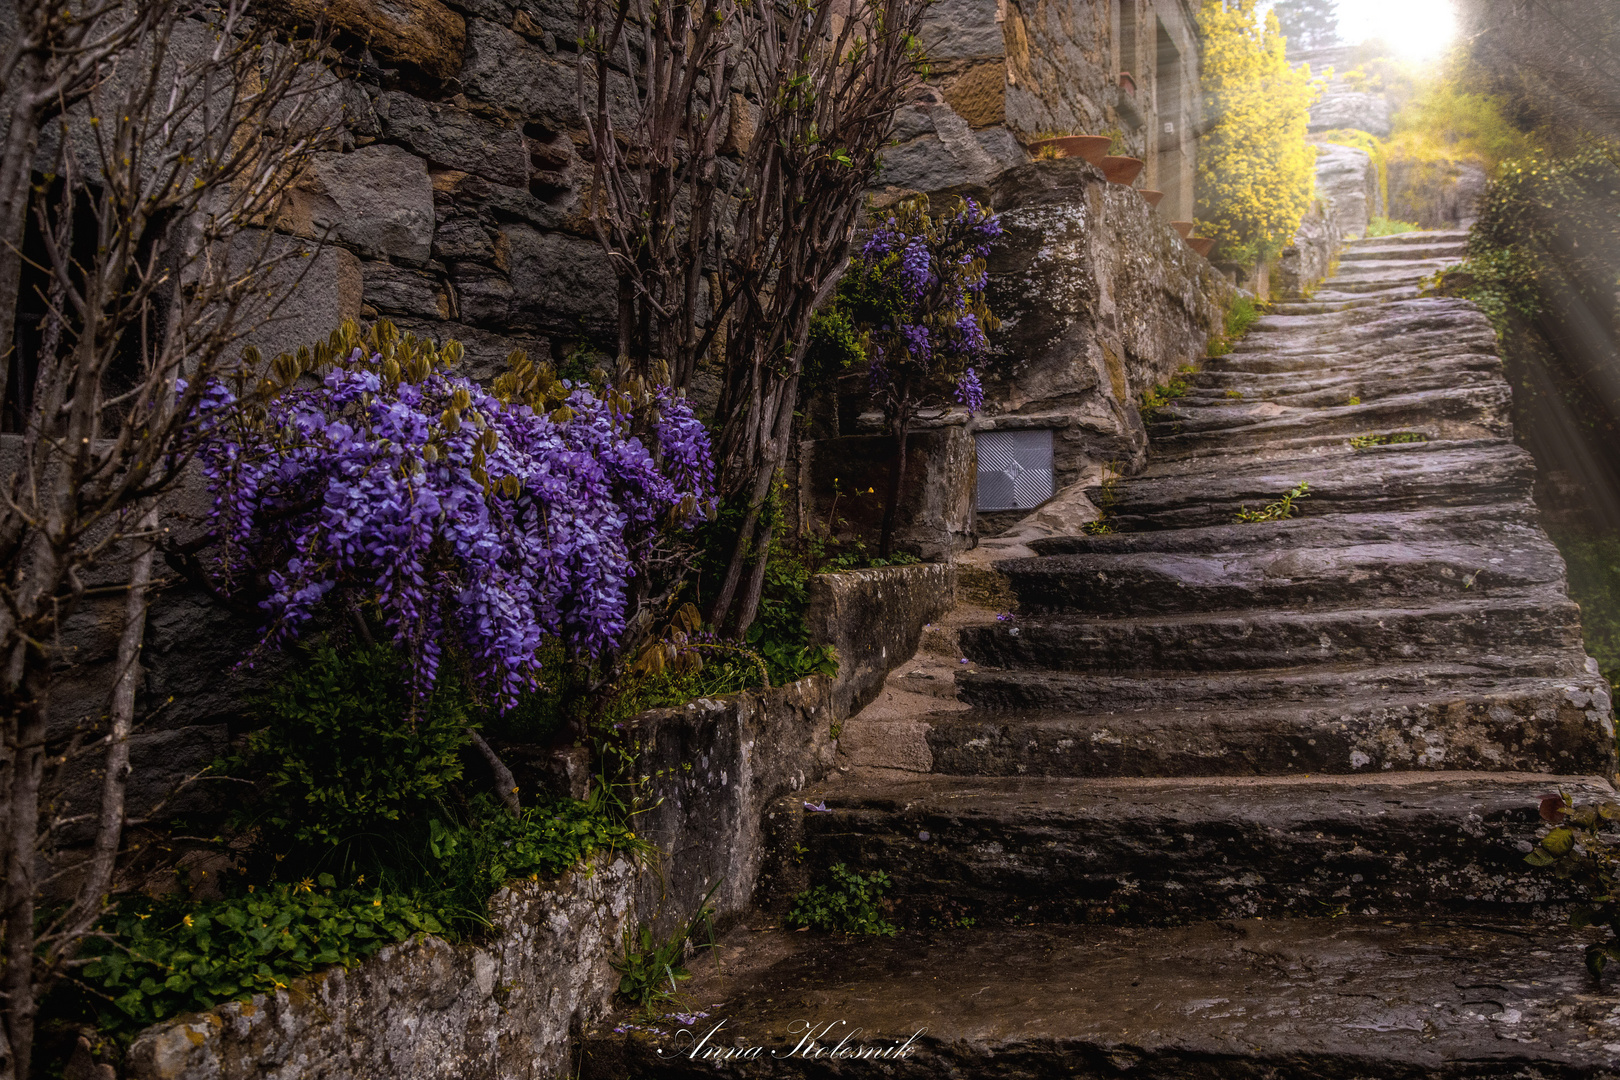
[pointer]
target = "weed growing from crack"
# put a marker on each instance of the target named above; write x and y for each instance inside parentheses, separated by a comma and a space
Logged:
(1280, 510)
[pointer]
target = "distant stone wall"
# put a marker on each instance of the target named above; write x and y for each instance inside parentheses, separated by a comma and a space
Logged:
(503, 1008)
(1347, 193)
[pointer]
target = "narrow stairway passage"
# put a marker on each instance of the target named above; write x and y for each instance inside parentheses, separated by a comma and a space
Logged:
(1234, 799)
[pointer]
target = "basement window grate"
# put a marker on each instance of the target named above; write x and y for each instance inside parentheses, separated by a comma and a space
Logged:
(1015, 469)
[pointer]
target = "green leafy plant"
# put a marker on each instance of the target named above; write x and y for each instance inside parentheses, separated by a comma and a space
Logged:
(1107, 496)
(651, 971)
(1576, 851)
(1235, 395)
(172, 956)
(1354, 399)
(850, 903)
(1391, 438)
(1280, 510)
(1592, 560)
(1158, 396)
(344, 749)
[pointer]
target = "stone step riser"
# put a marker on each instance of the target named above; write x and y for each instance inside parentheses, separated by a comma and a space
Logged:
(1060, 852)
(1551, 729)
(1070, 692)
(1484, 406)
(1405, 477)
(1267, 640)
(1415, 251)
(1148, 585)
(1373, 382)
(1503, 525)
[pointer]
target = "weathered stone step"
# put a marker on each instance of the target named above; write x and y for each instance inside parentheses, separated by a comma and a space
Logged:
(1406, 476)
(1472, 410)
(1310, 684)
(1155, 583)
(1375, 378)
(1457, 248)
(1507, 526)
(1045, 849)
(1451, 631)
(1292, 999)
(1532, 725)
(1327, 306)
(1409, 239)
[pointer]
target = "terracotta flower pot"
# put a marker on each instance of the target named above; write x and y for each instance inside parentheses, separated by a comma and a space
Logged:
(1201, 244)
(1151, 197)
(1185, 228)
(1090, 147)
(1121, 170)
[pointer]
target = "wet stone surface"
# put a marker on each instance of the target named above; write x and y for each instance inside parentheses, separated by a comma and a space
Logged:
(1329, 998)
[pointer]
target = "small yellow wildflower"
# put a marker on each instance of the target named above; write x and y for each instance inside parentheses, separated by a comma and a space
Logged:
(186, 919)
(306, 885)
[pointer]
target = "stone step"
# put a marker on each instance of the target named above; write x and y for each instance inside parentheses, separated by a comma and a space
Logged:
(1371, 379)
(1160, 583)
(1292, 999)
(1327, 305)
(1410, 239)
(1476, 409)
(1405, 476)
(1014, 690)
(1505, 526)
(1046, 849)
(1529, 725)
(1245, 640)
(1457, 249)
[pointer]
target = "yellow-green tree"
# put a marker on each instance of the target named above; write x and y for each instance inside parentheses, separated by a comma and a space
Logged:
(1256, 172)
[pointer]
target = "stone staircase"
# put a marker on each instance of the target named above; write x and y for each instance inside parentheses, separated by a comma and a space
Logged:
(1223, 799)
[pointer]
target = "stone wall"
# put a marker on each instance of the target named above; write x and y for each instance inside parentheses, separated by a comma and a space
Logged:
(503, 1008)
(1007, 71)
(1347, 192)
(1099, 300)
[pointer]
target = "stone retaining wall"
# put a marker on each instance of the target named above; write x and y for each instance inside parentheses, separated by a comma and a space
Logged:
(503, 1008)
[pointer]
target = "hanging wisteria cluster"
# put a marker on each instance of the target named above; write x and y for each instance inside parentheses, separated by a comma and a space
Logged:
(935, 268)
(488, 524)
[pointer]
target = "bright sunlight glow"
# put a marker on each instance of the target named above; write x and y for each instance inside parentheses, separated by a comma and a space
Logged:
(1414, 29)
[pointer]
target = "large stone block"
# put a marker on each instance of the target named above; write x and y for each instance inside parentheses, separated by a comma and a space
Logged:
(512, 73)
(377, 199)
(312, 292)
(396, 290)
(952, 157)
(455, 139)
(961, 29)
(560, 284)
(423, 33)
(1347, 180)
(1341, 108)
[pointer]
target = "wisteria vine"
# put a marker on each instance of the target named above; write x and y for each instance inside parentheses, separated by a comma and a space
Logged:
(934, 269)
(469, 521)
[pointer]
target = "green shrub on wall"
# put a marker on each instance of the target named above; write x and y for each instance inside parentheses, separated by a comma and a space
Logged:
(1256, 172)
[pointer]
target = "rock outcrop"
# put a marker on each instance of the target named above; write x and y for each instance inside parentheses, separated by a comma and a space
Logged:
(1313, 744)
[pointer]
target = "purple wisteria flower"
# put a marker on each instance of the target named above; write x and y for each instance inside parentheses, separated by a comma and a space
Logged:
(465, 520)
(935, 267)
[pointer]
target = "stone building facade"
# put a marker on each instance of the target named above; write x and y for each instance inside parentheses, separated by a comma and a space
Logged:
(1010, 71)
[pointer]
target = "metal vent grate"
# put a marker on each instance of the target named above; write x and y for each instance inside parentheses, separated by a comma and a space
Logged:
(1015, 469)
